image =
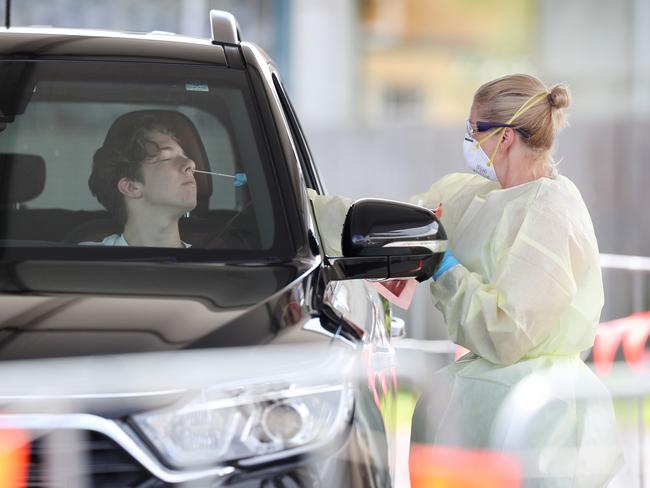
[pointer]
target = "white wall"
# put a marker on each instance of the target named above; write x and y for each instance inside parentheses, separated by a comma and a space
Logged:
(323, 61)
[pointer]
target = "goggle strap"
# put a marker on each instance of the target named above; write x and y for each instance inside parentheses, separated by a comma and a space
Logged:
(495, 131)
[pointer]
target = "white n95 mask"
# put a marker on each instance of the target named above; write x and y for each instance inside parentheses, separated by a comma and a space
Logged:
(477, 160)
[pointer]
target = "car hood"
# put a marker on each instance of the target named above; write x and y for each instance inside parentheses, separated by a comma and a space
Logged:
(54, 309)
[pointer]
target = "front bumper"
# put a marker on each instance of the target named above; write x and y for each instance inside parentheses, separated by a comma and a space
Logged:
(85, 450)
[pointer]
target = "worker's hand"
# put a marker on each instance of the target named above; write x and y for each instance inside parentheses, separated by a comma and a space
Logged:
(448, 262)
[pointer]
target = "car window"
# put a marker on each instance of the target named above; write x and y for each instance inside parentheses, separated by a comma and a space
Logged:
(55, 123)
(67, 182)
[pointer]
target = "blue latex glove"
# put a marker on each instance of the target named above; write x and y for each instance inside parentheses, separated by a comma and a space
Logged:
(448, 262)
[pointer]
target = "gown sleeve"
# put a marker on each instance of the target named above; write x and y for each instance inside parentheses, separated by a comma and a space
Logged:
(539, 265)
(330, 212)
(442, 190)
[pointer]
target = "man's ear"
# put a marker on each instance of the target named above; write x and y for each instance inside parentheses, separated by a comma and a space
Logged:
(130, 188)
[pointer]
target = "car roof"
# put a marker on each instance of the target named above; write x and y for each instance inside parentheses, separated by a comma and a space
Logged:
(54, 42)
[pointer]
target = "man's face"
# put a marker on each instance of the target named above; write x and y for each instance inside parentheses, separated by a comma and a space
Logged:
(168, 180)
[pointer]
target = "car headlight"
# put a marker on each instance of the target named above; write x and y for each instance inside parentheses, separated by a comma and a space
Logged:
(218, 426)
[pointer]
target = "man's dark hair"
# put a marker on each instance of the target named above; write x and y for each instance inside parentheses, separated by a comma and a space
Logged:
(121, 156)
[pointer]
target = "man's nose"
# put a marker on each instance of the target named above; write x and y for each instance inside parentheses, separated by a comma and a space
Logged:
(188, 165)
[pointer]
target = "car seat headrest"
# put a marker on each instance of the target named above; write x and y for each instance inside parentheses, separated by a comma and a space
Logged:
(184, 130)
(22, 177)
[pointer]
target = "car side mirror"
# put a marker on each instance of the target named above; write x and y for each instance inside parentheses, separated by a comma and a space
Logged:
(383, 239)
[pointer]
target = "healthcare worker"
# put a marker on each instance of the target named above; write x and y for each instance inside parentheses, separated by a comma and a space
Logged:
(520, 287)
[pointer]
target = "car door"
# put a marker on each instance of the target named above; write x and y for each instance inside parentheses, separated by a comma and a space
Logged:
(355, 300)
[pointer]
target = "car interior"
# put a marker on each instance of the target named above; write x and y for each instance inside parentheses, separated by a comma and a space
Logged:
(46, 153)
(23, 178)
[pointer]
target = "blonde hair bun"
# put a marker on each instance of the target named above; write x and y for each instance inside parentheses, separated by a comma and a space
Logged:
(559, 96)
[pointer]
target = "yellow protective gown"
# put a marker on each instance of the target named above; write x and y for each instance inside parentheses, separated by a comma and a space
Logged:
(525, 301)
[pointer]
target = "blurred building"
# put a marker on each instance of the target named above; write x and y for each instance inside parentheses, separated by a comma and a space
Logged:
(421, 60)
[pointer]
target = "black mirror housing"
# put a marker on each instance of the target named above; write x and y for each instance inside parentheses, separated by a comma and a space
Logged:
(375, 227)
(383, 239)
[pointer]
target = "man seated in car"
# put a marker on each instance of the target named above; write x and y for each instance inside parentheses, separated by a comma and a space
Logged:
(142, 176)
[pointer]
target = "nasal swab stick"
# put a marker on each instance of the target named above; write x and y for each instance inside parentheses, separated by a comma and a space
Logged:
(212, 173)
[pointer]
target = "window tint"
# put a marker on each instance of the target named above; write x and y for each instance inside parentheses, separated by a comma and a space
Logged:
(58, 115)
(67, 185)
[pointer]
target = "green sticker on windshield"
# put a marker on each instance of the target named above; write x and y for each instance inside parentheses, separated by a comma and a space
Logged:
(198, 87)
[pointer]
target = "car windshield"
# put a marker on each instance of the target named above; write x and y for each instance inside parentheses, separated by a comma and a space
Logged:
(117, 157)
